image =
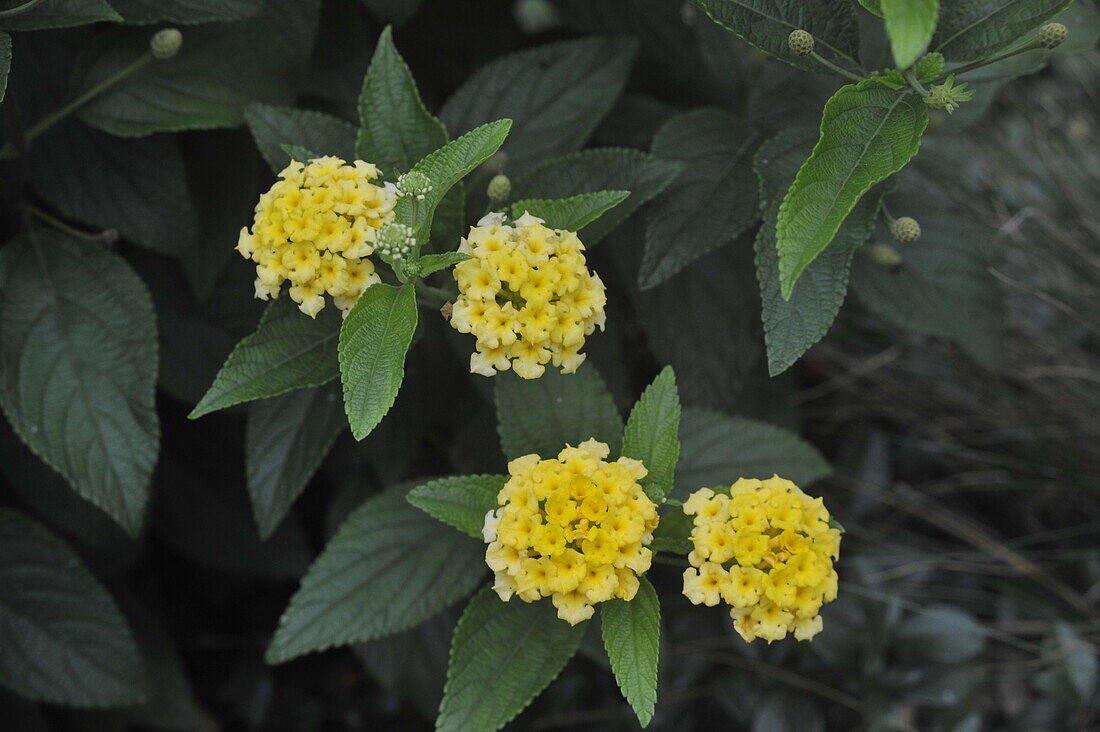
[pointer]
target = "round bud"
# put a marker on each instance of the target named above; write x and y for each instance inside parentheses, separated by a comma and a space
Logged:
(884, 255)
(414, 184)
(499, 189)
(395, 241)
(800, 42)
(906, 230)
(1051, 35)
(165, 43)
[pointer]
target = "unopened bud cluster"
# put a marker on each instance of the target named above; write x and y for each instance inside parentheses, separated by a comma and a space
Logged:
(165, 43)
(800, 42)
(395, 241)
(1051, 35)
(414, 184)
(500, 188)
(905, 229)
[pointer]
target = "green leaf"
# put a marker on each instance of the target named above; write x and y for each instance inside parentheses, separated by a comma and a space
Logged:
(867, 134)
(373, 343)
(766, 24)
(64, 639)
(556, 94)
(445, 167)
(388, 567)
(502, 656)
(430, 263)
(573, 213)
(974, 29)
(631, 635)
(544, 415)
(714, 199)
(589, 171)
(930, 67)
(137, 187)
(185, 12)
(943, 287)
(874, 6)
(272, 127)
(910, 24)
(652, 434)
(674, 531)
(220, 69)
(60, 14)
(461, 501)
(717, 449)
(5, 63)
(396, 130)
(792, 326)
(285, 440)
(288, 351)
(78, 366)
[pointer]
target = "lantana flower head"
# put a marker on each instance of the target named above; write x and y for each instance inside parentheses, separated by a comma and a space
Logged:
(574, 528)
(315, 228)
(527, 295)
(767, 550)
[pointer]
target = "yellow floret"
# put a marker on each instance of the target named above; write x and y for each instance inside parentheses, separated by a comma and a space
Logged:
(766, 550)
(574, 528)
(527, 296)
(314, 228)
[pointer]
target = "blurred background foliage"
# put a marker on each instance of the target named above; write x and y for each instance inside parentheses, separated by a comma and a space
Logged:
(965, 439)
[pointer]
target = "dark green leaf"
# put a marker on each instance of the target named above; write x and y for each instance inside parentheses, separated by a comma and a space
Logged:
(868, 133)
(673, 532)
(461, 501)
(631, 635)
(78, 365)
(388, 567)
(5, 63)
(185, 12)
(60, 14)
(288, 351)
(502, 656)
(573, 213)
(373, 343)
(321, 134)
(430, 263)
(910, 24)
(974, 29)
(544, 415)
(652, 434)
(555, 94)
(64, 639)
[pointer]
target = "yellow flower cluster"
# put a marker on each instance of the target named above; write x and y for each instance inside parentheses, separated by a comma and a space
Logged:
(527, 296)
(316, 227)
(766, 549)
(574, 529)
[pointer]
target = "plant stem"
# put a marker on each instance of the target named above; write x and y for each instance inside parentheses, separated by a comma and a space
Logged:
(18, 9)
(433, 297)
(103, 237)
(914, 83)
(1027, 46)
(833, 67)
(886, 212)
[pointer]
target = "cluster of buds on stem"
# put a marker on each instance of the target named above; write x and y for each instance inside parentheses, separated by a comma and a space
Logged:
(414, 184)
(1051, 35)
(165, 43)
(800, 42)
(395, 242)
(905, 229)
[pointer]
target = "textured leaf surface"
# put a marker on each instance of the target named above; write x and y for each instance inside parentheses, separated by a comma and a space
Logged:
(396, 130)
(322, 134)
(555, 94)
(185, 12)
(445, 167)
(138, 187)
(373, 343)
(573, 213)
(502, 656)
(767, 23)
(631, 635)
(588, 171)
(792, 326)
(5, 63)
(652, 434)
(973, 29)
(434, 262)
(60, 14)
(388, 567)
(868, 132)
(717, 449)
(78, 365)
(286, 438)
(910, 24)
(714, 199)
(288, 351)
(461, 501)
(544, 415)
(64, 639)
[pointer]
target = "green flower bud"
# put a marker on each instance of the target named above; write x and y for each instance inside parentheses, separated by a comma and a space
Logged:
(801, 42)
(414, 184)
(906, 229)
(499, 189)
(395, 242)
(884, 255)
(165, 43)
(1051, 35)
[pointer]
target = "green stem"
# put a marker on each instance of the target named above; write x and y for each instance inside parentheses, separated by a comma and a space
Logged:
(833, 67)
(886, 212)
(914, 83)
(433, 297)
(104, 237)
(1027, 46)
(9, 150)
(18, 9)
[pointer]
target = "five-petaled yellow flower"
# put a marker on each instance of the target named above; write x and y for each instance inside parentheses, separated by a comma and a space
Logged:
(527, 295)
(573, 528)
(766, 549)
(315, 228)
